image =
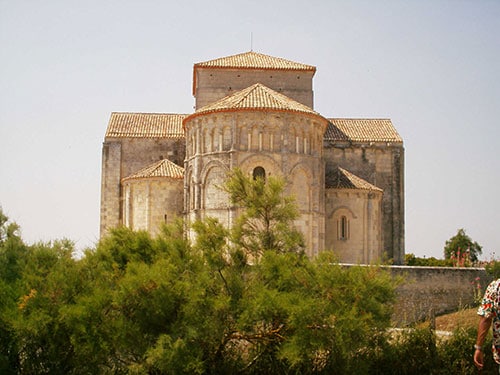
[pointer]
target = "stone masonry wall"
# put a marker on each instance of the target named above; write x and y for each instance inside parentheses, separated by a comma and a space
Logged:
(214, 84)
(282, 144)
(363, 239)
(122, 157)
(423, 291)
(437, 289)
(151, 202)
(383, 166)
(110, 186)
(138, 153)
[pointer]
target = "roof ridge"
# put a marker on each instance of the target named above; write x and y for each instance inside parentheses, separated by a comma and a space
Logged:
(358, 118)
(158, 165)
(249, 89)
(254, 97)
(147, 113)
(347, 180)
(252, 59)
(160, 168)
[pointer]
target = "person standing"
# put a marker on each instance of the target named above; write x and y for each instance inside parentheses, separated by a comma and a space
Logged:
(489, 316)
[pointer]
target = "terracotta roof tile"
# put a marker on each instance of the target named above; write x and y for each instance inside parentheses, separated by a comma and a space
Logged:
(362, 130)
(145, 125)
(255, 97)
(343, 179)
(254, 60)
(162, 168)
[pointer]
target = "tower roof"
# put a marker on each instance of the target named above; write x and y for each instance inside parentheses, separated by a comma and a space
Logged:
(251, 61)
(362, 130)
(162, 168)
(145, 125)
(343, 179)
(255, 97)
(254, 60)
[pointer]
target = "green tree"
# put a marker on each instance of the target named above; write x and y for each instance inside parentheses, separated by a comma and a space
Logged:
(50, 282)
(138, 304)
(462, 249)
(266, 216)
(12, 259)
(285, 313)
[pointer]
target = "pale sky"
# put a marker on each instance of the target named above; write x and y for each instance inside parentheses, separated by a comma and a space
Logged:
(431, 66)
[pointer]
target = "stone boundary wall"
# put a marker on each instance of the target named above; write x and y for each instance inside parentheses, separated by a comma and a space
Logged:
(426, 291)
(435, 290)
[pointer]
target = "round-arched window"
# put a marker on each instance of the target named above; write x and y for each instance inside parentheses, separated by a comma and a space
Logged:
(259, 172)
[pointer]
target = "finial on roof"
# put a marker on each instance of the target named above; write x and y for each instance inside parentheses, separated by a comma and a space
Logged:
(251, 41)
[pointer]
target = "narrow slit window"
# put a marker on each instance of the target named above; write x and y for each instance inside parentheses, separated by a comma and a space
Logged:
(343, 228)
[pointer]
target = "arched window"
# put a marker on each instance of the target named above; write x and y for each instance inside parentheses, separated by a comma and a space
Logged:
(259, 172)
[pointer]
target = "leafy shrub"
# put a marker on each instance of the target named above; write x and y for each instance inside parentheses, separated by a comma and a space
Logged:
(493, 268)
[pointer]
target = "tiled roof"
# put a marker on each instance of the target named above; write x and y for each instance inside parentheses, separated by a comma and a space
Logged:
(145, 125)
(255, 97)
(343, 179)
(162, 168)
(254, 60)
(362, 130)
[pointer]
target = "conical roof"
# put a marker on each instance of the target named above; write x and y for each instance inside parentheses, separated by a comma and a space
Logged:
(255, 97)
(343, 179)
(162, 168)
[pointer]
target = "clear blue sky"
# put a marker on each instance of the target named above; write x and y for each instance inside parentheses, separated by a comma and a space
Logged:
(431, 66)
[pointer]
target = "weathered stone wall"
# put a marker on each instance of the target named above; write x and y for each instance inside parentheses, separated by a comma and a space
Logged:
(437, 289)
(122, 157)
(382, 165)
(110, 186)
(138, 153)
(214, 84)
(361, 241)
(287, 145)
(150, 202)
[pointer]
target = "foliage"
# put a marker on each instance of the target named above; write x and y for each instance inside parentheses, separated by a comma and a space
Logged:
(412, 260)
(493, 268)
(162, 305)
(456, 354)
(407, 352)
(266, 218)
(421, 351)
(12, 258)
(461, 249)
(238, 300)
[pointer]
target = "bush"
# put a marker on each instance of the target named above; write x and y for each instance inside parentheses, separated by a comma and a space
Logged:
(412, 260)
(493, 268)
(420, 351)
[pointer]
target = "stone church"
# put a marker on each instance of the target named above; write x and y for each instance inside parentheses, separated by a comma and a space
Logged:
(256, 112)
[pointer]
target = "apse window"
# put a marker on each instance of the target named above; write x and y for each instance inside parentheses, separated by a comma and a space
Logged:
(259, 172)
(343, 228)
